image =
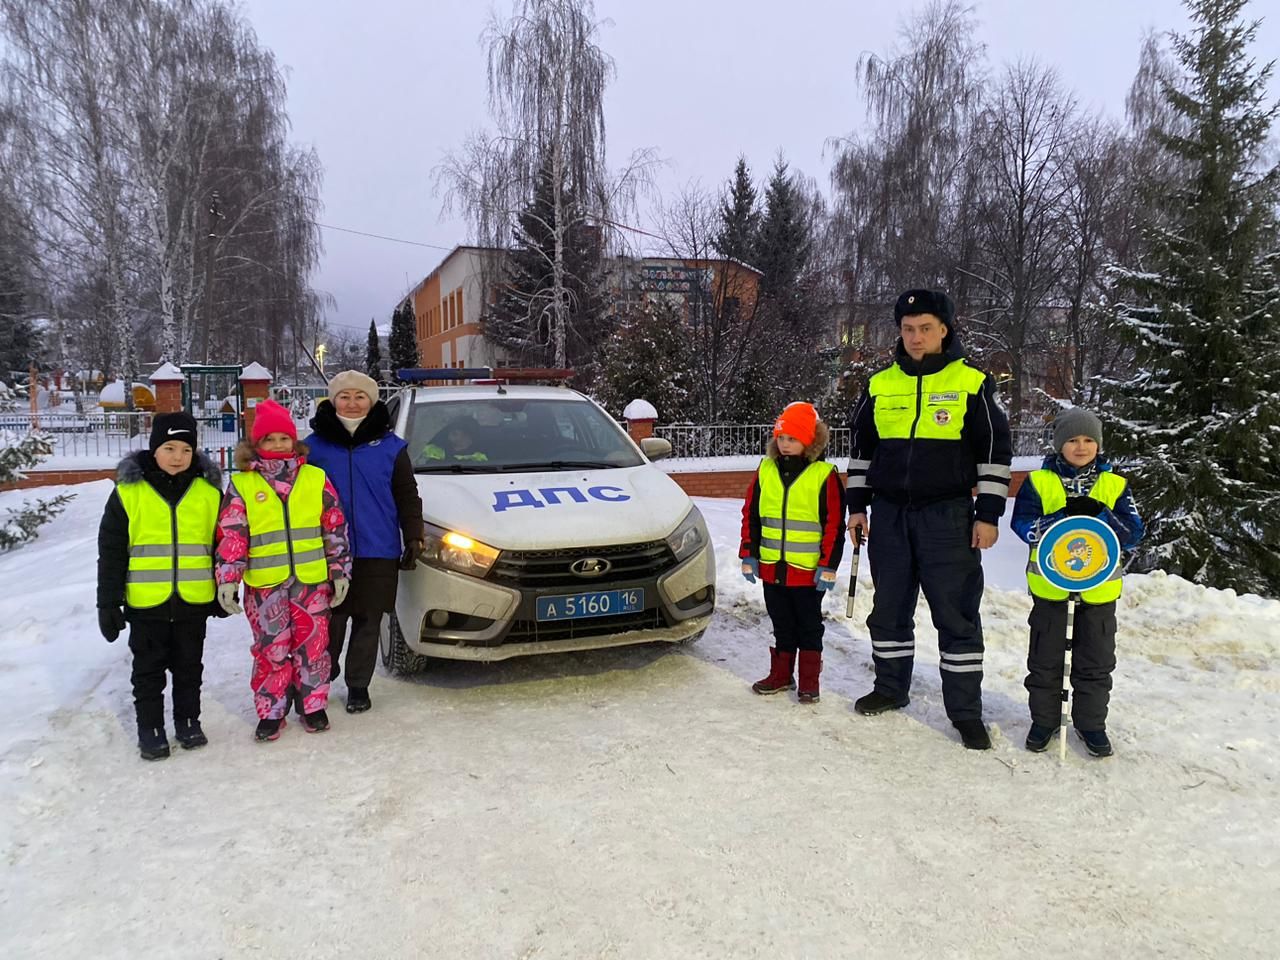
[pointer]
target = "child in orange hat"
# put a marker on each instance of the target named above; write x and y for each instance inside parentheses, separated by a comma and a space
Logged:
(792, 540)
(282, 532)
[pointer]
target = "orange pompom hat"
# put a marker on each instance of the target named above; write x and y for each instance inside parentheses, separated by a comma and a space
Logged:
(799, 420)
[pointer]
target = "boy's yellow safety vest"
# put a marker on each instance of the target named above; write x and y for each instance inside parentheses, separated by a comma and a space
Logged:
(169, 546)
(789, 521)
(284, 537)
(1053, 497)
(902, 401)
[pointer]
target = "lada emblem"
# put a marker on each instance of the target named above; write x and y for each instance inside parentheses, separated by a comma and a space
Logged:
(590, 567)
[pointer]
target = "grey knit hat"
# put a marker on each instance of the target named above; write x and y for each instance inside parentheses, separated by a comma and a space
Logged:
(1076, 422)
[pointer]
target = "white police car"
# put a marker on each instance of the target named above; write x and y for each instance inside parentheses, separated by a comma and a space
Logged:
(548, 530)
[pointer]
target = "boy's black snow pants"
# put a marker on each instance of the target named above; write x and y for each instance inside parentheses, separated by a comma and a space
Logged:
(796, 614)
(1093, 658)
(929, 547)
(158, 646)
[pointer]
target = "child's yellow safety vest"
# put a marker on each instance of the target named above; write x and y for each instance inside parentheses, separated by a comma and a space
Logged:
(284, 536)
(790, 527)
(1053, 497)
(170, 547)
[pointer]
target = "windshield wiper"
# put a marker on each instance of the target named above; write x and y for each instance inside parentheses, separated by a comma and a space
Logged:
(454, 468)
(560, 465)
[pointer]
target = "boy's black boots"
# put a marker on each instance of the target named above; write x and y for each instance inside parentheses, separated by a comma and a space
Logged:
(1039, 737)
(189, 734)
(1096, 742)
(152, 743)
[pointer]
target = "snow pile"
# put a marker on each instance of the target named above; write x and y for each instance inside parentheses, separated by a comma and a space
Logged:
(641, 802)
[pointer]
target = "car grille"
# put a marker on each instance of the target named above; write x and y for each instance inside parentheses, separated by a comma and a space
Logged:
(530, 630)
(550, 568)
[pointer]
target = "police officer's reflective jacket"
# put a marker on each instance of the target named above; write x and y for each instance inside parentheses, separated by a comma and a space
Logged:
(930, 431)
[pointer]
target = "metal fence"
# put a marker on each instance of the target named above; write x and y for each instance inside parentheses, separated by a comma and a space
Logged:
(750, 439)
(112, 435)
(106, 435)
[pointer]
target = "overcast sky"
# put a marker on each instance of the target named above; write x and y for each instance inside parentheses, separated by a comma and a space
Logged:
(384, 88)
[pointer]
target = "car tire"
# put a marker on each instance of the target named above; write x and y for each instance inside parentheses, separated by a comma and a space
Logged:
(399, 660)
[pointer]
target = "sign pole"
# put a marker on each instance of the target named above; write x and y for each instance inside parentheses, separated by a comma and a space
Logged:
(1066, 678)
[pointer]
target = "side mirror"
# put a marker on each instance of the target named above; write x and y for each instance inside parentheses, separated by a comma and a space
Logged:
(655, 448)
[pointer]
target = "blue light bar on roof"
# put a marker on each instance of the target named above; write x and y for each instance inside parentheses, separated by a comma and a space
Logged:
(418, 374)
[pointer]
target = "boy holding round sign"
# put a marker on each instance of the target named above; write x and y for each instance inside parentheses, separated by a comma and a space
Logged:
(1077, 515)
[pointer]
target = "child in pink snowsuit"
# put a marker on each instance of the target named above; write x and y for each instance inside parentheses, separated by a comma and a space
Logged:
(282, 532)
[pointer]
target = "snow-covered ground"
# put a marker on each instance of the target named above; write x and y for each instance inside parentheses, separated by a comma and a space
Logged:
(642, 802)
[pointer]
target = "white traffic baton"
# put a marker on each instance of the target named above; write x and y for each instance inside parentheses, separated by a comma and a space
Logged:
(853, 572)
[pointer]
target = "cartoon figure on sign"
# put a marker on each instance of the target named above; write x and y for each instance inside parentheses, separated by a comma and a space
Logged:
(1080, 556)
(1079, 550)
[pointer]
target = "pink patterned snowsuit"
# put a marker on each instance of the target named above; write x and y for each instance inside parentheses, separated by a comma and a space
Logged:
(290, 622)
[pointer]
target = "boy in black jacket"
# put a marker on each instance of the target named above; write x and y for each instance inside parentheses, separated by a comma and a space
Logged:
(155, 573)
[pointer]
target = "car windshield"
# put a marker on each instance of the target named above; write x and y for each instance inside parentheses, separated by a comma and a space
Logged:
(511, 434)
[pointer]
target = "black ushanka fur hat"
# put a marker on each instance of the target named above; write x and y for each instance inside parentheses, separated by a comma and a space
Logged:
(914, 302)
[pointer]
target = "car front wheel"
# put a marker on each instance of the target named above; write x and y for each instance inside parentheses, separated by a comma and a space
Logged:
(399, 660)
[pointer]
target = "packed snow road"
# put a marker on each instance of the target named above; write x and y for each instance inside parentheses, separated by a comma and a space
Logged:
(642, 802)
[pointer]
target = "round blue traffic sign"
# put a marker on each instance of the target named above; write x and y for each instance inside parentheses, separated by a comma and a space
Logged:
(1079, 553)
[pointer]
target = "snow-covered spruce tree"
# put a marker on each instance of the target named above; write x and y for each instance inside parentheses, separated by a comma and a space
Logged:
(403, 343)
(740, 217)
(648, 357)
(17, 526)
(373, 353)
(1200, 417)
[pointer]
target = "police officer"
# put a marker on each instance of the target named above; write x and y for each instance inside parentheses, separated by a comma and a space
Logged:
(926, 432)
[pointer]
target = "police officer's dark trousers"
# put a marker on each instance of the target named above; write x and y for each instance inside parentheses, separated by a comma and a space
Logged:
(929, 547)
(1093, 659)
(175, 646)
(796, 615)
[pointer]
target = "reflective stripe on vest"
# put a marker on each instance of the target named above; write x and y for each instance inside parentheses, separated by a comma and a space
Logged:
(931, 407)
(169, 546)
(284, 538)
(1053, 497)
(790, 527)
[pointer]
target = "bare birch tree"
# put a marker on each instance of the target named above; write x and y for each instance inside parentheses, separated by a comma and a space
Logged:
(547, 74)
(1028, 131)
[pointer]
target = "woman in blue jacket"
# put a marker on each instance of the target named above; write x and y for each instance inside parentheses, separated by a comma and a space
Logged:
(352, 441)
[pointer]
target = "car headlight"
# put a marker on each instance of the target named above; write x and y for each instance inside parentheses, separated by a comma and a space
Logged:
(689, 536)
(458, 552)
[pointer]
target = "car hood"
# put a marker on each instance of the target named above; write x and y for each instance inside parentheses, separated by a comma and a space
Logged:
(564, 508)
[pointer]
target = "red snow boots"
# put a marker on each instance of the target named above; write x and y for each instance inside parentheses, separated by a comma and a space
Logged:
(781, 667)
(810, 667)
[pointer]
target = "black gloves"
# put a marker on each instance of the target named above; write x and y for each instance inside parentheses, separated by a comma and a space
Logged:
(412, 554)
(1084, 507)
(110, 622)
